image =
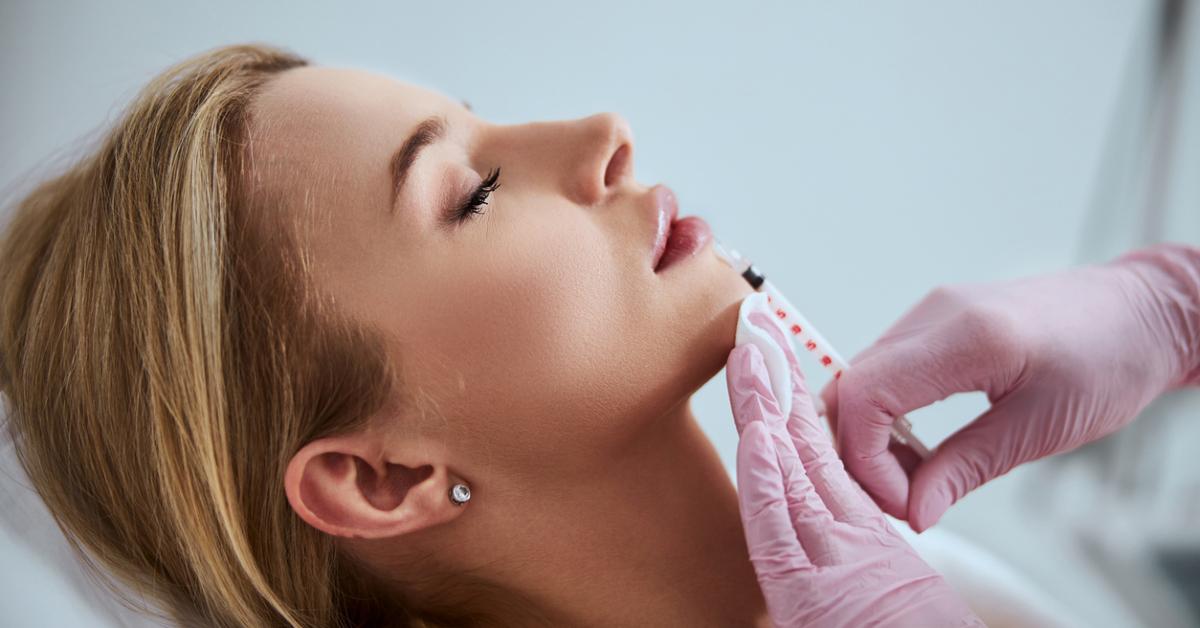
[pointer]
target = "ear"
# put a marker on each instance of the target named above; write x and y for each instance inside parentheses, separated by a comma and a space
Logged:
(352, 486)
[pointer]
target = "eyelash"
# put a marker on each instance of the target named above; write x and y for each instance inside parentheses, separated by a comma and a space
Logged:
(479, 198)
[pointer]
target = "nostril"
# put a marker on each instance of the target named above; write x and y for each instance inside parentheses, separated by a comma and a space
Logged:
(617, 165)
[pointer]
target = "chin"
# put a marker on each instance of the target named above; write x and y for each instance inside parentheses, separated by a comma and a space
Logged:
(715, 331)
(714, 295)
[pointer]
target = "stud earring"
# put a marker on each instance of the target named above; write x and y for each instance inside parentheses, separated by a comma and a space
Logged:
(460, 494)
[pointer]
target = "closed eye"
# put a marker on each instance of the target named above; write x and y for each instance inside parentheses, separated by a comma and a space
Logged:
(473, 204)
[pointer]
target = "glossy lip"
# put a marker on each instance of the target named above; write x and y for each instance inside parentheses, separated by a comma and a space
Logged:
(688, 237)
(667, 209)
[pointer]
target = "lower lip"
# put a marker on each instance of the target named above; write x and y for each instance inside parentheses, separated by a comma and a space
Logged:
(688, 236)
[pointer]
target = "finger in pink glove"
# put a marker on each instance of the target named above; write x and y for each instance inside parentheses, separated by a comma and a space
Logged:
(823, 551)
(1064, 359)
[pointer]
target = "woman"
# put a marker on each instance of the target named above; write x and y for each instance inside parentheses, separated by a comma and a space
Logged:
(305, 346)
(244, 370)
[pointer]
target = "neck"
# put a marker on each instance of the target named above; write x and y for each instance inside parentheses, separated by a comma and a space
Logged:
(655, 541)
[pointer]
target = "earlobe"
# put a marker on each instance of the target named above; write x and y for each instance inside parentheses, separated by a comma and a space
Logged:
(348, 486)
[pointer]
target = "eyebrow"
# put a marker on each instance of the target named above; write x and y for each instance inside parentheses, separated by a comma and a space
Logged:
(429, 131)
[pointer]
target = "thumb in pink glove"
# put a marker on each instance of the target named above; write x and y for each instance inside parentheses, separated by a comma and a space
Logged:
(1064, 359)
(823, 551)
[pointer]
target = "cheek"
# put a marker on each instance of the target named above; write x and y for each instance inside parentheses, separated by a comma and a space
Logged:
(548, 342)
(527, 329)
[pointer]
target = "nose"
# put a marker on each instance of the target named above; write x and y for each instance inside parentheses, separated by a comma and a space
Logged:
(607, 159)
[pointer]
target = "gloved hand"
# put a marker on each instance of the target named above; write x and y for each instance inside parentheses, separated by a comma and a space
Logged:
(823, 551)
(1064, 359)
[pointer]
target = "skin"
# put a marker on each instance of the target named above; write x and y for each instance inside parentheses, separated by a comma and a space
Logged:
(561, 366)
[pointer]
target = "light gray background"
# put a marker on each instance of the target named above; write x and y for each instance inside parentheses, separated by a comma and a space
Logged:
(860, 153)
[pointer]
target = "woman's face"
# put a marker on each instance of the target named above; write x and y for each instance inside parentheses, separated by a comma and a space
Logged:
(538, 327)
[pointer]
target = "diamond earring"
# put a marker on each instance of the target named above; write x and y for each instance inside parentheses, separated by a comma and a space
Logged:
(460, 494)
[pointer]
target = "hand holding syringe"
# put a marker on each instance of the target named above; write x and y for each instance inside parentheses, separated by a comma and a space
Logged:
(808, 336)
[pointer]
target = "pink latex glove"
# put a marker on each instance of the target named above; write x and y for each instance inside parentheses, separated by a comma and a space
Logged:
(1064, 359)
(823, 551)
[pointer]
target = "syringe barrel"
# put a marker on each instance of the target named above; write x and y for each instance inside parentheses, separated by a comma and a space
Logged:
(828, 357)
(808, 336)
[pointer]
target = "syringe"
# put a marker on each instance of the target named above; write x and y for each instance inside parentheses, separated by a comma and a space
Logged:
(808, 336)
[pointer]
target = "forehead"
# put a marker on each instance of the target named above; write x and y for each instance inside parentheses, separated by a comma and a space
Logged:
(317, 115)
(316, 90)
(319, 128)
(319, 143)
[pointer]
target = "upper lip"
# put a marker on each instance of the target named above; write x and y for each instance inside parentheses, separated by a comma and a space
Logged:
(666, 209)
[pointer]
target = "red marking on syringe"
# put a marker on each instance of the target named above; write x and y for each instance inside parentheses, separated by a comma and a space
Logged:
(758, 282)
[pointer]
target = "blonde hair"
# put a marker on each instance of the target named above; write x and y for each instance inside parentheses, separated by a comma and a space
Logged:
(163, 360)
